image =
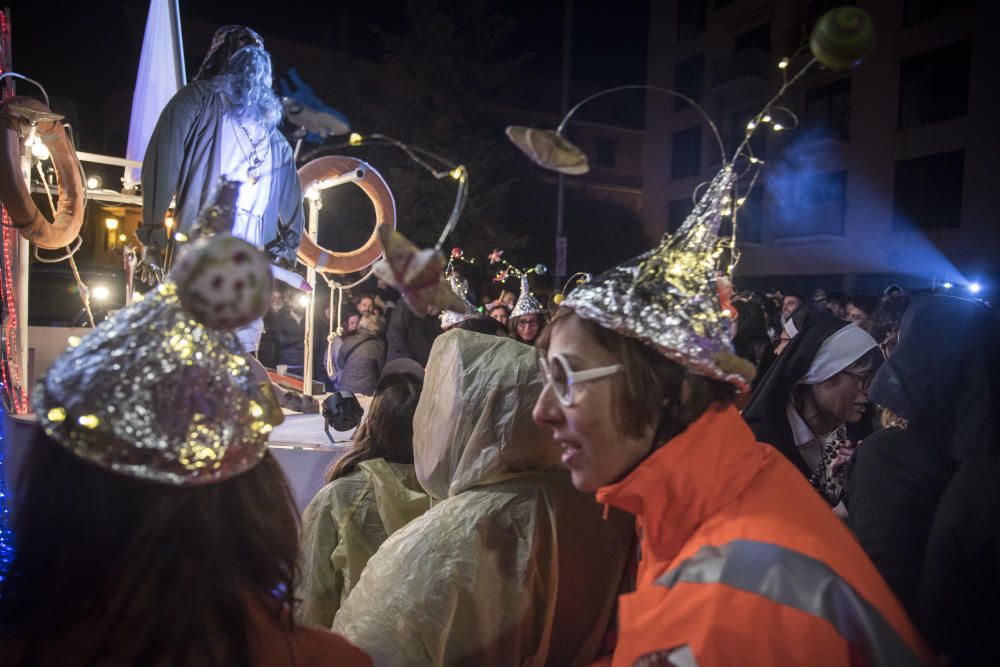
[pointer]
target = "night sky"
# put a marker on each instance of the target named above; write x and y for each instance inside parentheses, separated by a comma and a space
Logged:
(91, 50)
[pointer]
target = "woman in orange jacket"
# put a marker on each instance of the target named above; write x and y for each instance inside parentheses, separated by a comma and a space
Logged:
(740, 561)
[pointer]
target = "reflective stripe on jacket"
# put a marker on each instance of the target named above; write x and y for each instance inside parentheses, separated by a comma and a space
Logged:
(744, 564)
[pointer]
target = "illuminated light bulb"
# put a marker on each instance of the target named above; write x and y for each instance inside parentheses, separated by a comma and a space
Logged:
(783, 64)
(303, 300)
(741, 201)
(754, 160)
(181, 237)
(355, 139)
(100, 293)
(256, 411)
(168, 222)
(111, 224)
(40, 150)
(751, 125)
(93, 182)
(122, 238)
(975, 288)
(56, 414)
(458, 173)
(778, 127)
(73, 341)
(766, 119)
(88, 421)
(947, 285)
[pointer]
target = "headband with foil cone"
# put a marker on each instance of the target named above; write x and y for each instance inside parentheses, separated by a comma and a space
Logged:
(669, 297)
(450, 318)
(526, 304)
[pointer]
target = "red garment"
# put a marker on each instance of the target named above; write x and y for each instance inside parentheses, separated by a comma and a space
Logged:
(743, 563)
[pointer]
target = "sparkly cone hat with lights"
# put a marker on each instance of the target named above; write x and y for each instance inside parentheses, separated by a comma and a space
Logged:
(526, 304)
(671, 297)
(450, 318)
(161, 391)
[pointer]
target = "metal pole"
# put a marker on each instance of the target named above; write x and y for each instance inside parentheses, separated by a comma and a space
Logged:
(561, 245)
(20, 379)
(307, 356)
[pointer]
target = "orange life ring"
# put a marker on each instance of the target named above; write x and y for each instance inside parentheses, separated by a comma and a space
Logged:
(16, 114)
(373, 185)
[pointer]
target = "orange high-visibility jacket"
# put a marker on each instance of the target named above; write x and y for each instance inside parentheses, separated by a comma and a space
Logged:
(742, 563)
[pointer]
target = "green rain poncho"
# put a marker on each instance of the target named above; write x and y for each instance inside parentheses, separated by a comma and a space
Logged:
(344, 525)
(512, 565)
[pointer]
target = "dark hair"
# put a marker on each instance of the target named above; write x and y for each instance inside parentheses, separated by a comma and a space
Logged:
(798, 295)
(155, 573)
(888, 316)
(838, 298)
(483, 325)
(512, 327)
(649, 393)
(387, 431)
(863, 302)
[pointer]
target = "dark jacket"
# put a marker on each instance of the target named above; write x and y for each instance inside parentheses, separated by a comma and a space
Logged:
(942, 378)
(184, 159)
(766, 411)
(958, 608)
(361, 359)
(409, 336)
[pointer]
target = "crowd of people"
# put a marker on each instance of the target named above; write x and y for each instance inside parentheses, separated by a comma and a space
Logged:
(649, 470)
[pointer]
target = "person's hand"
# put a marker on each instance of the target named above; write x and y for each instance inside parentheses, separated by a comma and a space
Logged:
(150, 267)
(844, 454)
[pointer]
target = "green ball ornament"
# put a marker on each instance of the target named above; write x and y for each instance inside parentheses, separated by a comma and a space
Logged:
(842, 37)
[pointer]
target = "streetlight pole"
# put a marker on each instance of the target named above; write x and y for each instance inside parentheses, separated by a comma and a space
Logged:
(560, 272)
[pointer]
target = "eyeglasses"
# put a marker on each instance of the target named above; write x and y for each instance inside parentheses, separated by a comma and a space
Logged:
(561, 378)
(527, 323)
(863, 381)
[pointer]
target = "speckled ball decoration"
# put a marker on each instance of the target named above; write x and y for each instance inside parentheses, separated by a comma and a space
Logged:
(223, 281)
(842, 37)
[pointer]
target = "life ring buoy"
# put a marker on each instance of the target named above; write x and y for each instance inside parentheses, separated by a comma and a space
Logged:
(373, 185)
(15, 114)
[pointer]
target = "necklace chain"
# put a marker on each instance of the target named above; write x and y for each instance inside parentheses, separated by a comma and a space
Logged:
(252, 156)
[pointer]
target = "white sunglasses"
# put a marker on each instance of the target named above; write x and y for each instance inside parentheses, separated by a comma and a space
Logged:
(562, 378)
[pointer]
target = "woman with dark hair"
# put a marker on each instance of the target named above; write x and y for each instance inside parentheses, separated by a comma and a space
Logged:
(527, 319)
(751, 340)
(371, 492)
(941, 387)
(153, 525)
(815, 390)
(740, 562)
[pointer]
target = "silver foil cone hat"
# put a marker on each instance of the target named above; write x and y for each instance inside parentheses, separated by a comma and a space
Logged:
(669, 297)
(154, 394)
(526, 303)
(450, 318)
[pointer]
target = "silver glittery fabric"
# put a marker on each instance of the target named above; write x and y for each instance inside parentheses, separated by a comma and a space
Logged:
(526, 304)
(155, 395)
(668, 297)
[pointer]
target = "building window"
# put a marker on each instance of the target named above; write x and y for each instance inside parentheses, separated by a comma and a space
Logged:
(918, 11)
(677, 212)
(758, 39)
(689, 79)
(934, 86)
(606, 153)
(928, 192)
(828, 109)
(690, 18)
(817, 207)
(685, 155)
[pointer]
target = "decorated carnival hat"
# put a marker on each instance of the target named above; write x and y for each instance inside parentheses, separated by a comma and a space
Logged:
(527, 303)
(450, 318)
(671, 297)
(161, 391)
(226, 41)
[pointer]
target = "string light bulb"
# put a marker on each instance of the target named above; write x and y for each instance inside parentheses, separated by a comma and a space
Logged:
(458, 173)
(778, 127)
(783, 63)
